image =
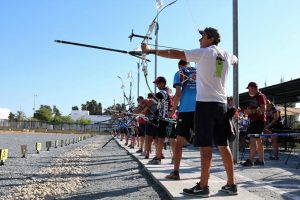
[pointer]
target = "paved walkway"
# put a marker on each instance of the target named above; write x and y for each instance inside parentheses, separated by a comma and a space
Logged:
(273, 181)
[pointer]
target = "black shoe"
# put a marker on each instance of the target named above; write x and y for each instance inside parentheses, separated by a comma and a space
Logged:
(173, 176)
(165, 146)
(274, 158)
(247, 163)
(139, 151)
(258, 162)
(230, 189)
(197, 191)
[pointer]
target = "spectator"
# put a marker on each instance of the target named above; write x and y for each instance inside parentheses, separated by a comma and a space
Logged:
(273, 123)
(256, 112)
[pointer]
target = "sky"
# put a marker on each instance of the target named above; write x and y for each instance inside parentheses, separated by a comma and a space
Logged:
(37, 71)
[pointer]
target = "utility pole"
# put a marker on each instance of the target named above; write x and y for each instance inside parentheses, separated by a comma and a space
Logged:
(235, 76)
(138, 82)
(34, 96)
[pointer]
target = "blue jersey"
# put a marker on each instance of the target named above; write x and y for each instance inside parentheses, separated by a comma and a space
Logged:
(186, 79)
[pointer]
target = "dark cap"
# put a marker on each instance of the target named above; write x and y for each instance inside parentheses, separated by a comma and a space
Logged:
(252, 84)
(212, 32)
(183, 63)
(160, 79)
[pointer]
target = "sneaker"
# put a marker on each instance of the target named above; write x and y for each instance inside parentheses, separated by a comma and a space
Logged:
(162, 156)
(165, 146)
(230, 189)
(258, 162)
(247, 163)
(146, 157)
(154, 162)
(197, 191)
(274, 158)
(125, 143)
(173, 176)
(139, 151)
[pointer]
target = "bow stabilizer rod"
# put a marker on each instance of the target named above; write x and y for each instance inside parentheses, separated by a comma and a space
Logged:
(132, 53)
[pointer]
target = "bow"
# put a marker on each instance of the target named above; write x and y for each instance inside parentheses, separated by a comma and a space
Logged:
(146, 41)
(128, 99)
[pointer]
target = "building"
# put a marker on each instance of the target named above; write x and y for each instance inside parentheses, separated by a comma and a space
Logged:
(4, 113)
(85, 114)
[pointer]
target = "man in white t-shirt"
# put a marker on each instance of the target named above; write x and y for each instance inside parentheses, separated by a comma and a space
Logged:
(211, 104)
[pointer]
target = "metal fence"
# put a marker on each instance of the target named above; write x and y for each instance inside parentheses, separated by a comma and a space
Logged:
(40, 125)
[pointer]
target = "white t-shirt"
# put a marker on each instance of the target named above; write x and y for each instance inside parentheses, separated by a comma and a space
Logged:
(211, 78)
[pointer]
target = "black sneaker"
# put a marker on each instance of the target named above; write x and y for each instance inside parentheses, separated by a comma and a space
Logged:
(274, 158)
(173, 176)
(230, 189)
(258, 162)
(247, 163)
(139, 151)
(197, 191)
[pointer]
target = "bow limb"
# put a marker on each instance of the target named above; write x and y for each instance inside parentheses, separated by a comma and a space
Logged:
(146, 41)
(122, 87)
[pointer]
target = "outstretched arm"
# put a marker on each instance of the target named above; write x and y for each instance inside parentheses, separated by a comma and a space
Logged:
(168, 53)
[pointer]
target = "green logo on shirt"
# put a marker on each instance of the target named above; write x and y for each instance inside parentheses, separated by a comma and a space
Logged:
(219, 67)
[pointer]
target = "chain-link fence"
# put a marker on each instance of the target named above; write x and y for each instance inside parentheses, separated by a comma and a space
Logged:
(46, 126)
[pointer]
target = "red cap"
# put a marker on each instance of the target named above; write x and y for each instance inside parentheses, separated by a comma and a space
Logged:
(160, 79)
(252, 84)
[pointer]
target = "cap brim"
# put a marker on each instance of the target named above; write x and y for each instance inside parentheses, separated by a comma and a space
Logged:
(200, 32)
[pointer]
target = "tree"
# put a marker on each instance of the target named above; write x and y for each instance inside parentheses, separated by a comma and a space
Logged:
(20, 116)
(44, 113)
(100, 108)
(75, 108)
(84, 121)
(117, 107)
(93, 107)
(67, 119)
(84, 107)
(56, 112)
(62, 119)
(11, 116)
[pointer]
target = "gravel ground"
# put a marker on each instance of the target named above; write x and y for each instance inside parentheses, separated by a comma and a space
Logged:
(79, 171)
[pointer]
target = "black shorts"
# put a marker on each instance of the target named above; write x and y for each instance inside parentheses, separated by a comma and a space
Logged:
(151, 129)
(185, 123)
(171, 133)
(210, 124)
(162, 129)
(256, 127)
(123, 130)
(142, 130)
